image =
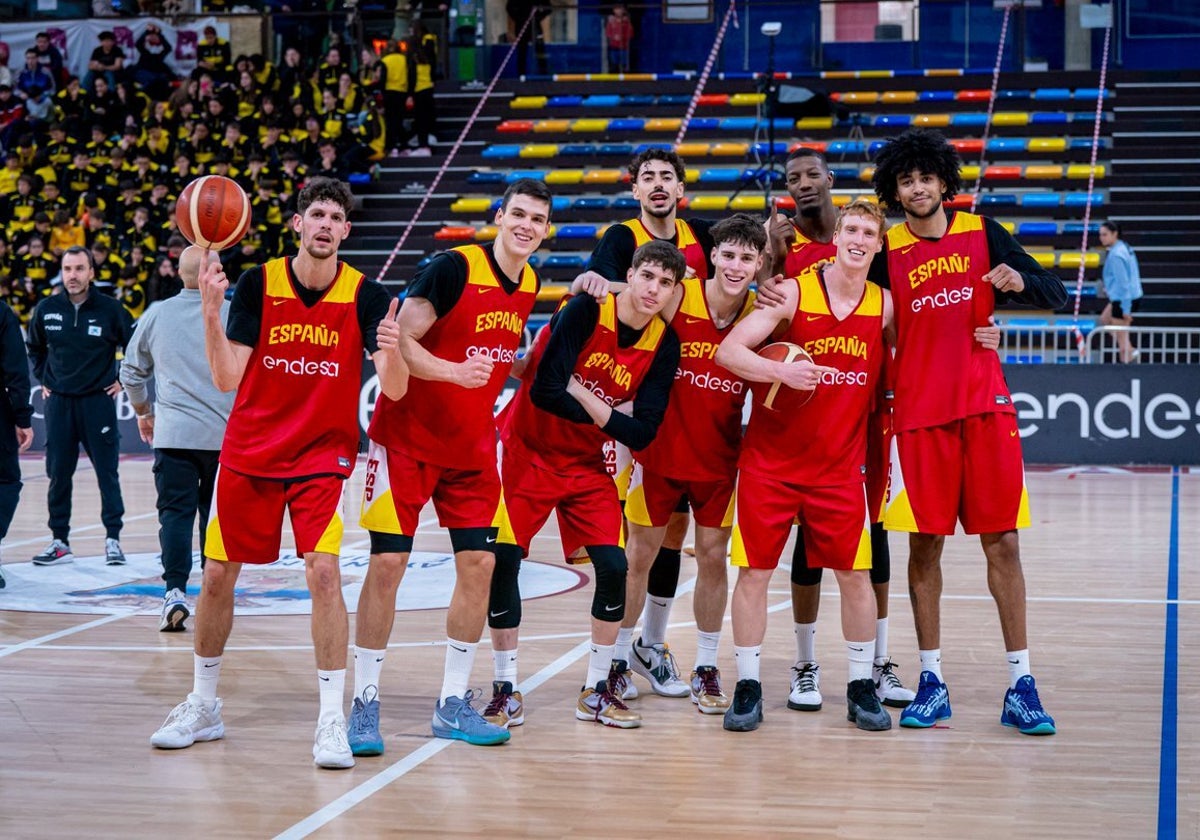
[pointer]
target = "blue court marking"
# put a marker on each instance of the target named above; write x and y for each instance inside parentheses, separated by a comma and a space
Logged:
(1168, 749)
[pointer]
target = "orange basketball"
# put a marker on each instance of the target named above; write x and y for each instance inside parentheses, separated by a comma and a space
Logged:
(213, 212)
(775, 395)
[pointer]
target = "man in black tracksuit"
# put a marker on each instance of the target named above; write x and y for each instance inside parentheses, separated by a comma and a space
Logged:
(16, 413)
(73, 341)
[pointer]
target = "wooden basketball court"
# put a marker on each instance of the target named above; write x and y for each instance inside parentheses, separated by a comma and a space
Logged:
(1111, 606)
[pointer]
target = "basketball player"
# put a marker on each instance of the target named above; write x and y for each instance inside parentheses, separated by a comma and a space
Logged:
(658, 185)
(293, 349)
(840, 318)
(956, 455)
(694, 456)
(461, 324)
(606, 372)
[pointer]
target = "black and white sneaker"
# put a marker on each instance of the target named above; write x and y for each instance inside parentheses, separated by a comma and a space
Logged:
(113, 556)
(56, 554)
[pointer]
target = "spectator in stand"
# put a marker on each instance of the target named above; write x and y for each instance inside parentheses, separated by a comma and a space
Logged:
(102, 106)
(72, 102)
(164, 280)
(33, 75)
(394, 77)
(214, 55)
(65, 233)
(293, 75)
(107, 60)
(49, 57)
(6, 77)
(538, 31)
(10, 173)
(39, 110)
(309, 145)
(328, 165)
(12, 117)
(108, 267)
(424, 58)
(152, 73)
(330, 69)
(618, 31)
(1123, 285)
(133, 103)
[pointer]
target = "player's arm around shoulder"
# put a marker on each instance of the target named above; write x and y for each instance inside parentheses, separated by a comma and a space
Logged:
(738, 351)
(889, 319)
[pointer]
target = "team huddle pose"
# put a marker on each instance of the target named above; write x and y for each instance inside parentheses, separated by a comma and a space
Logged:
(657, 350)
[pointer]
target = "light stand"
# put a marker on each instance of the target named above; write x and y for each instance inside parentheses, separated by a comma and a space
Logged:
(771, 29)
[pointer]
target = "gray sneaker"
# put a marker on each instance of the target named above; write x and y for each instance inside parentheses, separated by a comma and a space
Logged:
(457, 719)
(113, 556)
(863, 709)
(56, 554)
(191, 721)
(174, 612)
(745, 713)
(364, 734)
(657, 664)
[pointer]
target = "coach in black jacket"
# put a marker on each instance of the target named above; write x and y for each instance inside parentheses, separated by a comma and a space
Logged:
(16, 432)
(73, 341)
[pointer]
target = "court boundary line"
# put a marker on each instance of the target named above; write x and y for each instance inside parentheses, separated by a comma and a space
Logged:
(1168, 756)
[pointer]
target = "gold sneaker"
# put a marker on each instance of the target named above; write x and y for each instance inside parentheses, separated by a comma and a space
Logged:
(506, 707)
(620, 677)
(706, 691)
(602, 706)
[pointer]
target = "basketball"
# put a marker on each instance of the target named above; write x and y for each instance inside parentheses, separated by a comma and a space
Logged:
(775, 395)
(213, 212)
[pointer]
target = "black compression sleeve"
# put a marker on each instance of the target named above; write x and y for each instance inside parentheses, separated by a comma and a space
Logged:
(650, 402)
(1043, 288)
(570, 330)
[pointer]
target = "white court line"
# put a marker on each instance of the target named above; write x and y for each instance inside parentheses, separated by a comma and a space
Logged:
(74, 531)
(17, 648)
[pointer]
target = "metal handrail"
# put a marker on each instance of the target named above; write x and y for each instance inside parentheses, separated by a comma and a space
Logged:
(1055, 344)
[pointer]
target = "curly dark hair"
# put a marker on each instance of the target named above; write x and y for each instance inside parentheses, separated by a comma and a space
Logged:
(920, 149)
(325, 189)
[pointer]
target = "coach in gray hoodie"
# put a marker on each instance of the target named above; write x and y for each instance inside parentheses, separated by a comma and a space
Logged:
(185, 425)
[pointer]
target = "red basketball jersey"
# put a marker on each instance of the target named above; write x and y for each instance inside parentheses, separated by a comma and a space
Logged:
(685, 241)
(805, 252)
(942, 373)
(295, 413)
(610, 372)
(701, 431)
(824, 442)
(443, 423)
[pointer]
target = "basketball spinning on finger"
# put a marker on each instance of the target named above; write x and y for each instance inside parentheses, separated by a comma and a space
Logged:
(775, 395)
(213, 212)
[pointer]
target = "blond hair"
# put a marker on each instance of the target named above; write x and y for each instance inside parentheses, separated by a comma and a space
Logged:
(863, 207)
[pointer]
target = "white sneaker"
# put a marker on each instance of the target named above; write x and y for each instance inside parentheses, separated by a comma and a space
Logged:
(174, 612)
(56, 554)
(331, 747)
(191, 721)
(806, 688)
(888, 688)
(657, 664)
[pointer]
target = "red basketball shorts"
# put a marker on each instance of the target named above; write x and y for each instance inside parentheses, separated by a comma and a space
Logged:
(879, 440)
(398, 486)
(247, 521)
(836, 530)
(653, 498)
(969, 471)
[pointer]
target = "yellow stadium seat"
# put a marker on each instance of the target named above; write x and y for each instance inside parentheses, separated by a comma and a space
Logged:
(686, 150)
(931, 120)
(874, 74)
(748, 202)
(1042, 171)
(602, 176)
(486, 233)
(736, 149)
(663, 124)
(709, 202)
(814, 123)
(589, 124)
(471, 205)
(1070, 259)
(690, 176)
(1009, 226)
(866, 174)
(860, 97)
(898, 97)
(1010, 118)
(1082, 170)
(1044, 258)
(553, 292)
(1047, 144)
(539, 150)
(551, 126)
(528, 102)
(564, 176)
(744, 99)
(969, 172)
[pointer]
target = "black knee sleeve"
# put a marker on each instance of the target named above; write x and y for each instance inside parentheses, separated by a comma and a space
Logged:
(664, 574)
(881, 555)
(504, 600)
(802, 575)
(608, 601)
(382, 543)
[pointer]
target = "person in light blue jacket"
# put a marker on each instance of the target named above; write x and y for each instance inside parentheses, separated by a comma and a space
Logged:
(1123, 283)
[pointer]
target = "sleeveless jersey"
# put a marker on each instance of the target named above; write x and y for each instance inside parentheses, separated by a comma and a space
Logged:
(701, 431)
(942, 373)
(824, 442)
(443, 423)
(295, 413)
(685, 241)
(610, 372)
(805, 252)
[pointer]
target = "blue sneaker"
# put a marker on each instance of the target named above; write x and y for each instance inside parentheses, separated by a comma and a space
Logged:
(1023, 709)
(363, 733)
(457, 719)
(931, 705)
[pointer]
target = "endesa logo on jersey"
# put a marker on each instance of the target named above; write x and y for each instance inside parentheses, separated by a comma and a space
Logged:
(503, 355)
(857, 378)
(710, 382)
(302, 366)
(597, 388)
(944, 298)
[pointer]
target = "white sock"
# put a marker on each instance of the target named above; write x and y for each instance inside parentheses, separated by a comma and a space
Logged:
(599, 663)
(206, 671)
(881, 641)
(624, 646)
(368, 664)
(747, 659)
(654, 620)
(332, 685)
(460, 657)
(931, 661)
(806, 648)
(706, 648)
(1018, 665)
(862, 656)
(504, 666)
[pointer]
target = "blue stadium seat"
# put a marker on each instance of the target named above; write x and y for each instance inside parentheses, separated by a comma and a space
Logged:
(588, 202)
(703, 124)
(641, 147)
(626, 202)
(480, 177)
(936, 96)
(849, 173)
(576, 232)
(1087, 93)
(602, 100)
(1012, 94)
(1052, 94)
(564, 101)
(845, 147)
(968, 119)
(564, 261)
(501, 150)
(875, 147)
(627, 124)
(893, 120)
(1037, 229)
(576, 150)
(623, 149)
(1080, 199)
(1027, 323)
(517, 174)
(674, 99)
(638, 100)
(998, 200)
(1077, 227)
(1086, 143)
(1084, 117)
(560, 204)
(1047, 118)
(764, 148)
(738, 124)
(720, 176)
(1040, 199)
(1007, 144)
